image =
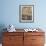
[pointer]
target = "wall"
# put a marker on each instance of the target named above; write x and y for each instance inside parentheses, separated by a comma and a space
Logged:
(10, 13)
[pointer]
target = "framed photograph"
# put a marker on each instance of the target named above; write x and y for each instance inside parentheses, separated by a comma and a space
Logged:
(26, 13)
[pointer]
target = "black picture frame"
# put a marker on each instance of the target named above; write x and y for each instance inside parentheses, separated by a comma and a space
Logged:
(26, 13)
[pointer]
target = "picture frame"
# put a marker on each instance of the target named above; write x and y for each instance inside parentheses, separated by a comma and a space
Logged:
(26, 13)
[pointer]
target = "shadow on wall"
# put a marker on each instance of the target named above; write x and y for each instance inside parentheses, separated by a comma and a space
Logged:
(2, 26)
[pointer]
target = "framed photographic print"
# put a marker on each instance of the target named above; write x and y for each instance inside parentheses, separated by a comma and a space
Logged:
(26, 13)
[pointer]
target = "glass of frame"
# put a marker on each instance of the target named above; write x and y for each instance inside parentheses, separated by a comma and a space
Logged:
(26, 13)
